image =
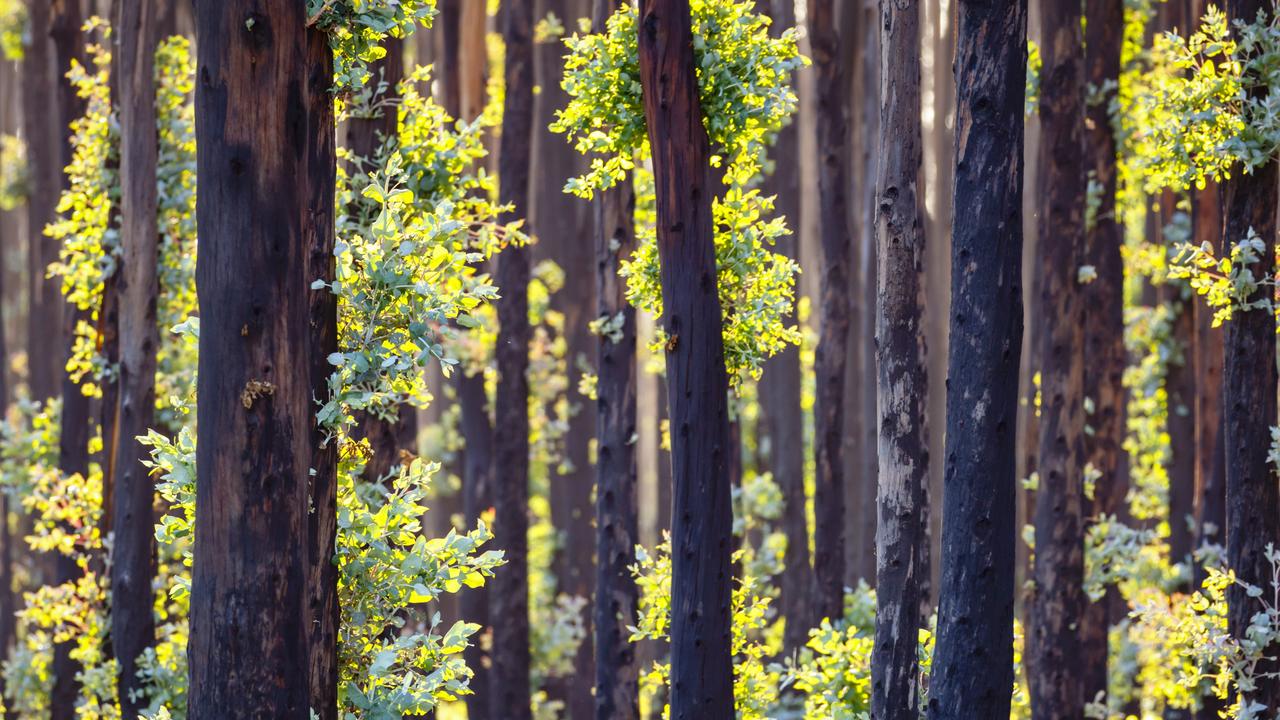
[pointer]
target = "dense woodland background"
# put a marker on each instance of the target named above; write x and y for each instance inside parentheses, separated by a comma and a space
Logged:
(595, 359)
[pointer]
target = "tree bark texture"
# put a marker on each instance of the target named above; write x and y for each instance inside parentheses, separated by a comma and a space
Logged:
(1054, 679)
(829, 410)
(697, 384)
(509, 596)
(1210, 459)
(902, 538)
(264, 589)
(973, 658)
(1249, 398)
(132, 620)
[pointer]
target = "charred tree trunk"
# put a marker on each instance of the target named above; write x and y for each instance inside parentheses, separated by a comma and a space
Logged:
(264, 607)
(1249, 398)
(617, 513)
(782, 424)
(509, 597)
(1104, 327)
(132, 621)
(829, 411)
(973, 658)
(902, 538)
(65, 19)
(697, 384)
(1053, 641)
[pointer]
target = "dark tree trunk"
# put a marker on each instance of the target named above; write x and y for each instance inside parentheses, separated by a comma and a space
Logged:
(902, 538)
(1249, 399)
(617, 512)
(973, 658)
(509, 596)
(563, 226)
(132, 621)
(697, 384)
(65, 21)
(1180, 384)
(1054, 680)
(48, 154)
(1210, 459)
(1104, 326)
(833, 174)
(264, 588)
(782, 424)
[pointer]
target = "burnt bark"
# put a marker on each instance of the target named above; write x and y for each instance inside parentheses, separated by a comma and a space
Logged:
(617, 666)
(509, 596)
(782, 424)
(902, 538)
(973, 658)
(132, 620)
(697, 383)
(1054, 680)
(264, 607)
(1104, 326)
(65, 19)
(1249, 398)
(829, 411)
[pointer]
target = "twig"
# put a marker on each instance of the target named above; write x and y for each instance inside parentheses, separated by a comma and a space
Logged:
(319, 13)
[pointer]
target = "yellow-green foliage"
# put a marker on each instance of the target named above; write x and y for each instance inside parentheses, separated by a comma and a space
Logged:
(357, 30)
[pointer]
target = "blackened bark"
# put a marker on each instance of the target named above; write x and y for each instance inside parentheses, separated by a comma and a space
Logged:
(264, 611)
(973, 658)
(833, 173)
(65, 19)
(132, 620)
(617, 665)
(48, 153)
(1104, 326)
(782, 425)
(697, 384)
(1249, 398)
(509, 596)
(902, 539)
(1054, 680)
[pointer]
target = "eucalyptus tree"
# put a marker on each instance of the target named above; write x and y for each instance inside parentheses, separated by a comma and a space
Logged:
(509, 689)
(1104, 331)
(134, 547)
(1053, 644)
(973, 657)
(263, 610)
(902, 537)
(830, 364)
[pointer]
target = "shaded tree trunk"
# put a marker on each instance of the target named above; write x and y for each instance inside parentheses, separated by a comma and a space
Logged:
(973, 658)
(509, 596)
(1104, 328)
(1180, 384)
(132, 621)
(902, 538)
(1210, 459)
(1249, 398)
(829, 411)
(782, 420)
(264, 588)
(617, 514)
(697, 384)
(1054, 680)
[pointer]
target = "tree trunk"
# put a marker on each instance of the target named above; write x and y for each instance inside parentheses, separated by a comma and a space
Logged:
(1104, 328)
(1180, 384)
(65, 21)
(617, 515)
(902, 533)
(697, 384)
(832, 131)
(1054, 680)
(1210, 458)
(264, 589)
(973, 658)
(509, 597)
(1249, 399)
(132, 621)
(782, 424)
